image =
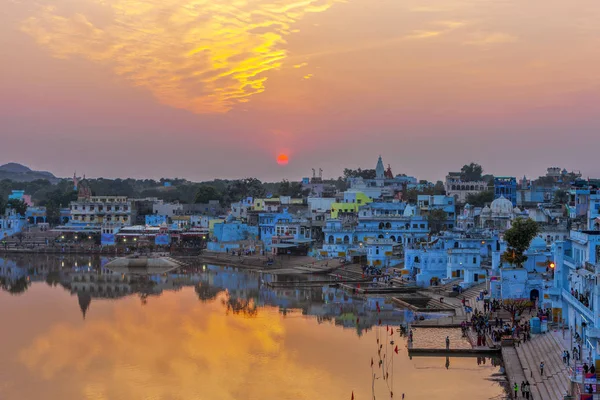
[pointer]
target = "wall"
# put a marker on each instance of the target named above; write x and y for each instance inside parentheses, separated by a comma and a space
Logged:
(234, 232)
(168, 209)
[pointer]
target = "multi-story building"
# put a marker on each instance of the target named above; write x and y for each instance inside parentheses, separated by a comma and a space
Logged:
(396, 221)
(353, 199)
(96, 210)
(427, 203)
(284, 230)
(575, 295)
(459, 189)
(506, 186)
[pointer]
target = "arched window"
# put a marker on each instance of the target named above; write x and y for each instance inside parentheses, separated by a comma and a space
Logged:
(453, 187)
(381, 225)
(456, 245)
(346, 239)
(393, 238)
(330, 240)
(472, 187)
(388, 225)
(416, 259)
(380, 237)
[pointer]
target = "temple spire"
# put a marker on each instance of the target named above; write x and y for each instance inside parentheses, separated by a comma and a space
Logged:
(379, 169)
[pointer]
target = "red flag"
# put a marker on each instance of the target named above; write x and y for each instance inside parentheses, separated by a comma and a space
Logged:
(396, 349)
(358, 286)
(371, 361)
(387, 328)
(352, 398)
(379, 322)
(357, 320)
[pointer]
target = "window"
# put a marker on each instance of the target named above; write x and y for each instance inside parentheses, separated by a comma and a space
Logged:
(474, 260)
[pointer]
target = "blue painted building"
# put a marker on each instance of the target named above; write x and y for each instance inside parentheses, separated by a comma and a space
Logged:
(506, 186)
(575, 294)
(282, 229)
(234, 231)
(156, 220)
(396, 221)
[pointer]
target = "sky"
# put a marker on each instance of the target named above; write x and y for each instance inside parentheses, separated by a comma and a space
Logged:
(219, 88)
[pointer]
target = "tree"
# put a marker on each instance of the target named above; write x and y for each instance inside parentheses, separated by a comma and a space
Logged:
(18, 205)
(480, 199)
(516, 306)
(360, 173)
(207, 193)
(560, 197)
(292, 189)
(439, 188)
(471, 172)
(437, 219)
(241, 188)
(518, 238)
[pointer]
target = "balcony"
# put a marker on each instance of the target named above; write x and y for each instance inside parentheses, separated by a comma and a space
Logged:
(578, 305)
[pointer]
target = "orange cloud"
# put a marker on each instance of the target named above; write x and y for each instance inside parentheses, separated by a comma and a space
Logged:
(200, 55)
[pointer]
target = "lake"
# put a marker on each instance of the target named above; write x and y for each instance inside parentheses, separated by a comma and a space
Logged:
(73, 330)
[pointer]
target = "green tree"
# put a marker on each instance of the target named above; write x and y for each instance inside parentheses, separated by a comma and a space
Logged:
(437, 219)
(18, 205)
(359, 173)
(292, 189)
(560, 197)
(241, 188)
(471, 172)
(518, 238)
(207, 193)
(439, 188)
(480, 199)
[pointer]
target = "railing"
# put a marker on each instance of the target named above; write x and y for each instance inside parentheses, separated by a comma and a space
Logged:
(578, 304)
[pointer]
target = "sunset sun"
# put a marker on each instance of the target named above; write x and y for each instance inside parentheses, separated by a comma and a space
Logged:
(282, 159)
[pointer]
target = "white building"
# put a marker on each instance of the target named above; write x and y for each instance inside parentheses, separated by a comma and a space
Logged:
(96, 210)
(459, 189)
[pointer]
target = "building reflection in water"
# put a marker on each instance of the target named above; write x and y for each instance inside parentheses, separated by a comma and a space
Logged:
(228, 334)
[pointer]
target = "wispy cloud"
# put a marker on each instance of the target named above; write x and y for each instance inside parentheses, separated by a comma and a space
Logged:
(482, 39)
(201, 55)
(437, 28)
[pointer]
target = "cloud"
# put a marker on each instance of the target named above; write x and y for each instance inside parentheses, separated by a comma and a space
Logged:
(481, 39)
(201, 55)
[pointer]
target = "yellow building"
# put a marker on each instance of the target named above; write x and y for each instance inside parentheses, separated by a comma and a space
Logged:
(212, 222)
(352, 201)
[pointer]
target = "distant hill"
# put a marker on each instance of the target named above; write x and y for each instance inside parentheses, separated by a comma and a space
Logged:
(20, 173)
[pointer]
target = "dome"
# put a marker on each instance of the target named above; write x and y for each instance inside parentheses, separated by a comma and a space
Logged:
(486, 210)
(537, 243)
(502, 206)
(517, 210)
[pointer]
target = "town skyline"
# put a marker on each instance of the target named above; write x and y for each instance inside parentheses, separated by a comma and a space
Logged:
(297, 178)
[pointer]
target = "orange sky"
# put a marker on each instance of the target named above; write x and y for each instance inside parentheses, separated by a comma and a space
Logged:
(334, 83)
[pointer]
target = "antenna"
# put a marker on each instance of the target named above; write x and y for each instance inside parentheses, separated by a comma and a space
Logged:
(320, 173)
(314, 173)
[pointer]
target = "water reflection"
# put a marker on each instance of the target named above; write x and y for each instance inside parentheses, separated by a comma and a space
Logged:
(211, 332)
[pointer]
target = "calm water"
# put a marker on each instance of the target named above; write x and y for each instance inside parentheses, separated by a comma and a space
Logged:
(213, 334)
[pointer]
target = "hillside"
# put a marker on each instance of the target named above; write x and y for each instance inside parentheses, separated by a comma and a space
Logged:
(20, 173)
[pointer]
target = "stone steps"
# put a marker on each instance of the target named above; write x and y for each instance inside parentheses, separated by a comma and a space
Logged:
(541, 348)
(532, 374)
